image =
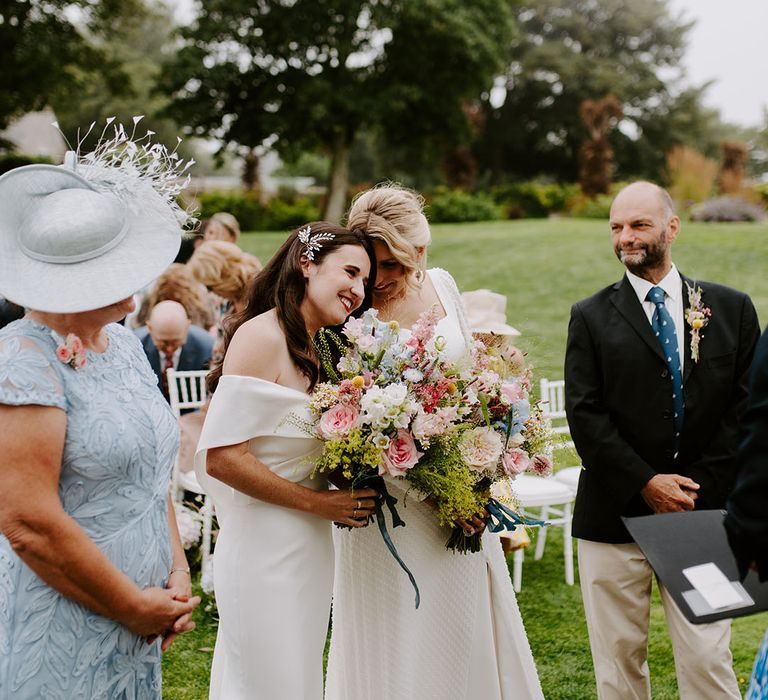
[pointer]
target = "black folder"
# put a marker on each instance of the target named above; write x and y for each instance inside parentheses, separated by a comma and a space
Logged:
(673, 542)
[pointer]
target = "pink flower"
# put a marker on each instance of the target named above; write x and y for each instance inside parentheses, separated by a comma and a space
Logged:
(75, 344)
(400, 456)
(337, 421)
(64, 354)
(541, 465)
(515, 461)
(512, 392)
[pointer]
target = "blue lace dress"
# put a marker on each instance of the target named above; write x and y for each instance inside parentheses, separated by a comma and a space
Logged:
(120, 443)
(758, 684)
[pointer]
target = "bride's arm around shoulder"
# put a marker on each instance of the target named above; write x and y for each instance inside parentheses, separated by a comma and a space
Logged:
(258, 349)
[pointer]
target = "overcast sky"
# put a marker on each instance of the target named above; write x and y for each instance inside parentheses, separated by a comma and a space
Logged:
(728, 44)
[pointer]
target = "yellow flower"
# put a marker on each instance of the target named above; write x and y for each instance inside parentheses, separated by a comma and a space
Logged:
(394, 326)
(358, 382)
(697, 323)
(451, 388)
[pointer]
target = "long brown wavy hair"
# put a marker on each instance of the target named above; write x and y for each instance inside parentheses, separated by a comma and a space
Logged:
(281, 285)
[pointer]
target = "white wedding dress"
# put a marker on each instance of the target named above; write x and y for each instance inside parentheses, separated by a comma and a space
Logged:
(273, 566)
(466, 640)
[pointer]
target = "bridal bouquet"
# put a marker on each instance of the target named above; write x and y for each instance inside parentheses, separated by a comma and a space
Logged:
(394, 405)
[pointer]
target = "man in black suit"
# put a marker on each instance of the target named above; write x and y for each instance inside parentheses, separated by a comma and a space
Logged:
(655, 388)
(169, 340)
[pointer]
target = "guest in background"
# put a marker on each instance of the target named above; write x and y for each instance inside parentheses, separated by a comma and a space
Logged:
(747, 517)
(177, 284)
(92, 569)
(222, 226)
(171, 341)
(654, 408)
(9, 312)
(225, 270)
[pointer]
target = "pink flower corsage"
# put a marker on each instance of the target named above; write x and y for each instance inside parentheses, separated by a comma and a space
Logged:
(697, 317)
(71, 352)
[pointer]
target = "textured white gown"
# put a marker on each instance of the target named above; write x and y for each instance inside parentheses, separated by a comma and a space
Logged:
(273, 566)
(467, 638)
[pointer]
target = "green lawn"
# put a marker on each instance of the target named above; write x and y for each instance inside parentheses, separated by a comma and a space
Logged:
(543, 266)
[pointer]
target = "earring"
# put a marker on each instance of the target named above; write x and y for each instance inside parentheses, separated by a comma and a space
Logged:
(419, 275)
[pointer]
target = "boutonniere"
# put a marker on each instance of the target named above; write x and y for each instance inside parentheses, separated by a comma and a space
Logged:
(71, 352)
(697, 317)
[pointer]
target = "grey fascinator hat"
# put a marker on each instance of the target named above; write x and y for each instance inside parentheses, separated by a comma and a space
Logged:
(90, 232)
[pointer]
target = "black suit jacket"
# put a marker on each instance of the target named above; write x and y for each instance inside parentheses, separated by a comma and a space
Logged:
(195, 354)
(619, 403)
(747, 518)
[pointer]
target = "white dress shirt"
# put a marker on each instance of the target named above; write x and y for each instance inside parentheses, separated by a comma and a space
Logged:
(672, 285)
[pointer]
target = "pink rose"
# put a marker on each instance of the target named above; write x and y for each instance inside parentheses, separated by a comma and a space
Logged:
(63, 353)
(515, 461)
(79, 361)
(337, 421)
(400, 456)
(75, 343)
(541, 465)
(512, 392)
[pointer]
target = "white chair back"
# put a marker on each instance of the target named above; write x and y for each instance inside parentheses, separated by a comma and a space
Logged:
(186, 389)
(553, 405)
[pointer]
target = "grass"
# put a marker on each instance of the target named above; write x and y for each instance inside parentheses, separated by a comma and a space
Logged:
(543, 266)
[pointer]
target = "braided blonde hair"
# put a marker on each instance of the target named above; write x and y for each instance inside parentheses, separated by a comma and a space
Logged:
(394, 214)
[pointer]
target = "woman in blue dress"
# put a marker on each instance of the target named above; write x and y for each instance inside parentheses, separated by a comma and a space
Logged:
(92, 571)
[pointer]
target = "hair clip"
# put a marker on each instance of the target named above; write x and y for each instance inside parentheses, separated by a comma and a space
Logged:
(312, 243)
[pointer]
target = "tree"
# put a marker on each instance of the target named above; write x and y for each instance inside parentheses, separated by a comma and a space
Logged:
(595, 154)
(44, 54)
(313, 73)
(138, 43)
(575, 50)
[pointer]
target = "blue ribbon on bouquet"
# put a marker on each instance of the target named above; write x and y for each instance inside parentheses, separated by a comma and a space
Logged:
(502, 518)
(390, 501)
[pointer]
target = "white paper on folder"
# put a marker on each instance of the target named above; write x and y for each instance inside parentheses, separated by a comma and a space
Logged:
(713, 585)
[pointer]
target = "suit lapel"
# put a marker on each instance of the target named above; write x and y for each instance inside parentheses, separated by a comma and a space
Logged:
(627, 304)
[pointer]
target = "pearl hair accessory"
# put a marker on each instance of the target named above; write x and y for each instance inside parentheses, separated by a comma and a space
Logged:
(311, 242)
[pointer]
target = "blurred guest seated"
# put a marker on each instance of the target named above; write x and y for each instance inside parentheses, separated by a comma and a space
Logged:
(170, 340)
(177, 284)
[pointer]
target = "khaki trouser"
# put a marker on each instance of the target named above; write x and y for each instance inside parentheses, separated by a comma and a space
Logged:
(616, 588)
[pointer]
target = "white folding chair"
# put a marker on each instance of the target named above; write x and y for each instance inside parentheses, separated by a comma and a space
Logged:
(187, 390)
(553, 403)
(553, 500)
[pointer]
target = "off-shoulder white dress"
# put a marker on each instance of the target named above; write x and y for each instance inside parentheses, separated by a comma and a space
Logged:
(273, 566)
(466, 640)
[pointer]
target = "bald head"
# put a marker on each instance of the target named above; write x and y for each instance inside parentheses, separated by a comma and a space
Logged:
(168, 326)
(648, 195)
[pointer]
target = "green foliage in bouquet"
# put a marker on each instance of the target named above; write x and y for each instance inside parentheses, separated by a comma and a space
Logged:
(442, 470)
(355, 458)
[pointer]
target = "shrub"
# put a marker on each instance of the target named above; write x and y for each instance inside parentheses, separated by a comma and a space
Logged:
(16, 160)
(288, 215)
(244, 205)
(727, 208)
(760, 192)
(532, 199)
(585, 208)
(691, 175)
(277, 214)
(455, 206)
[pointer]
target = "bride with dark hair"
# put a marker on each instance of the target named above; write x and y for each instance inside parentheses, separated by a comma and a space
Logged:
(273, 564)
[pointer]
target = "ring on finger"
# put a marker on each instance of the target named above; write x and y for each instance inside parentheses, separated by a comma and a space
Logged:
(358, 504)
(354, 513)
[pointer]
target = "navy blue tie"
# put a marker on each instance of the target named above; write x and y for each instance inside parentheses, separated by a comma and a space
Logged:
(664, 328)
